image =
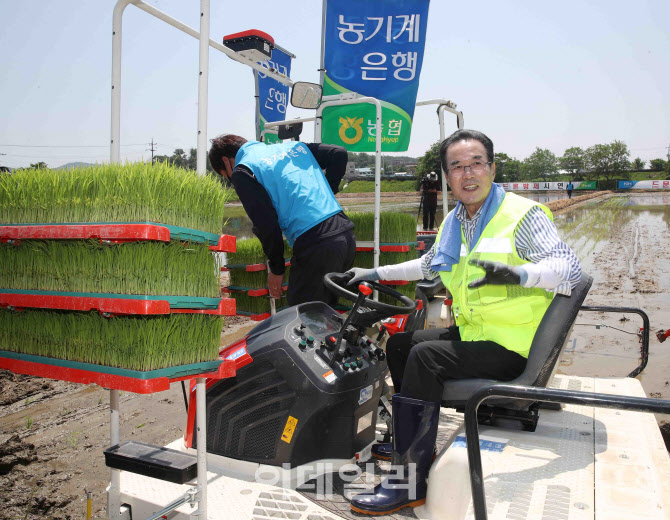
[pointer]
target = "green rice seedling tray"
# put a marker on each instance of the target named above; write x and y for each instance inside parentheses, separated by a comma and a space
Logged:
(175, 302)
(106, 304)
(141, 343)
(141, 382)
(116, 232)
(115, 193)
(257, 316)
(365, 259)
(390, 247)
(250, 268)
(393, 227)
(87, 266)
(250, 291)
(251, 279)
(246, 304)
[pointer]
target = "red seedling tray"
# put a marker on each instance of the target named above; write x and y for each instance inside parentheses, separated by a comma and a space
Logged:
(251, 268)
(71, 371)
(254, 317)
(111, 306)
(115, 233)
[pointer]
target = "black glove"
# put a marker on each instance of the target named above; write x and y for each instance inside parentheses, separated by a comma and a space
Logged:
(496, 274)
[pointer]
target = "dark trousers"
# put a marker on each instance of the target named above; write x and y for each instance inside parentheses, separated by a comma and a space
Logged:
(422, 360)
(569, 194)
(429, 215)
(311, 262)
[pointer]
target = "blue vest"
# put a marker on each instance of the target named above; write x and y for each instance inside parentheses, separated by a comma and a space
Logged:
(297, 187)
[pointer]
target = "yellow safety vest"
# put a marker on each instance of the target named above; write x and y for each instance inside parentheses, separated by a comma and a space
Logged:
(506, 314)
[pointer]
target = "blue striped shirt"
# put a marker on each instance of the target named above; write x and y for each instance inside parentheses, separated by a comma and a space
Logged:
(535, 239)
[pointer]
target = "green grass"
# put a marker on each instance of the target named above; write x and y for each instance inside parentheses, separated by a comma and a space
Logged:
(132, 192)
(152, 268)
(131, 342)
(386, 186)
(393, 227)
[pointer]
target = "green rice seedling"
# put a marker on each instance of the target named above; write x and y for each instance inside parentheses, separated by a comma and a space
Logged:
(131, 192)
(365, 259)
(394, 228)
(256, 304)
(131, 342)
(288, 250)
(151, 268)
(250, 251)
(252, 279)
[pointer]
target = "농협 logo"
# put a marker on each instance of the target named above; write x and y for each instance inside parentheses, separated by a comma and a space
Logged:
(347, 123)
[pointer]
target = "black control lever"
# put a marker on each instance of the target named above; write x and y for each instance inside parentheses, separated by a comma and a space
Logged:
(382, 331)
(364, 289)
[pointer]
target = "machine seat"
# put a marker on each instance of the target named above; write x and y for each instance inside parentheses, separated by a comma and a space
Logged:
(545, 350)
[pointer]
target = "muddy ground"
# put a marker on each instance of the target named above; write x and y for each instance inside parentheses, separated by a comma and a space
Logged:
(53, 433)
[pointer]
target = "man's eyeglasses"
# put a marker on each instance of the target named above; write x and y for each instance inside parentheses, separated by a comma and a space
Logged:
(475, 167)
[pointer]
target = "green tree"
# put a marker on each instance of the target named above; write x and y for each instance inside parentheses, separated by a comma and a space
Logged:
(658, 165)
(638, 164)
(508, 169)
(429, 161)
(608, 161)
(573, 161)
(541, 165)
(39, 165)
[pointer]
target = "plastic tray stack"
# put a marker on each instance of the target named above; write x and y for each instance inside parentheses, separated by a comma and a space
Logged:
(36, 304)
(248, 277)
(395, 247)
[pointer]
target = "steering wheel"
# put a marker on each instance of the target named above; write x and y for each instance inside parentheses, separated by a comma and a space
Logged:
(336, 282)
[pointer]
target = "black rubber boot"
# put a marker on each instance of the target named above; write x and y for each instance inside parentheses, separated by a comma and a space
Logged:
(414, 433)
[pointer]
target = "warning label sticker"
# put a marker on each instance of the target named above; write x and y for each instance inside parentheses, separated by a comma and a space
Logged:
(287, 435)
(330, 376)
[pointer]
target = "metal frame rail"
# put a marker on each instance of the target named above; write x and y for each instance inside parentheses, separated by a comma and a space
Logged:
(644, 348)
(637, 404)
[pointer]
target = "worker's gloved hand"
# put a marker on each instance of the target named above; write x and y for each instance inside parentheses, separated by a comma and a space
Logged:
(496, 274)
(361, 275)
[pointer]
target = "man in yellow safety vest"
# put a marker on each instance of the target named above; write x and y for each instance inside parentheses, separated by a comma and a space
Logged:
(500, 257)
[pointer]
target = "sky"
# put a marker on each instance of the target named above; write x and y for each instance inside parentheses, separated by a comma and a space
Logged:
(528, 74)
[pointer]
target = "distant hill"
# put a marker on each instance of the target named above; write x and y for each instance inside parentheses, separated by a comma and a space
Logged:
(71, 165)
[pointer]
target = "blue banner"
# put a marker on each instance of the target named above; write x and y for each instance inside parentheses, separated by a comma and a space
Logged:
(374, 48)
(272, 95)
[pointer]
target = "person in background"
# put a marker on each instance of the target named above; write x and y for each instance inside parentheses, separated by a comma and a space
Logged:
(284, 190)
(430, 185)
(569, 188)
(500, 257)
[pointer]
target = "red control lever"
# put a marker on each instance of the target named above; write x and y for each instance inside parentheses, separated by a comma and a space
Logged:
(365, 289)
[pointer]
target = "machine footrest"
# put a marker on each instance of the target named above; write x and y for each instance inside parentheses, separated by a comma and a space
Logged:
(152, 461)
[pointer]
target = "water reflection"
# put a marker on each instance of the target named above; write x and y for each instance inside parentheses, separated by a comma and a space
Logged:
(588, 227)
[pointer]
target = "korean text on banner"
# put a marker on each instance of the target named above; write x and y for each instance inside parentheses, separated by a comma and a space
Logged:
(272, 95)
(374, 48)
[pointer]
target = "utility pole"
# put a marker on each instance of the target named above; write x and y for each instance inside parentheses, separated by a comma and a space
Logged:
(152, 149)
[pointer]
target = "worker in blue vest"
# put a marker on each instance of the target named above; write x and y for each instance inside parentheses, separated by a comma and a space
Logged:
(290, 188)
(501, 259)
